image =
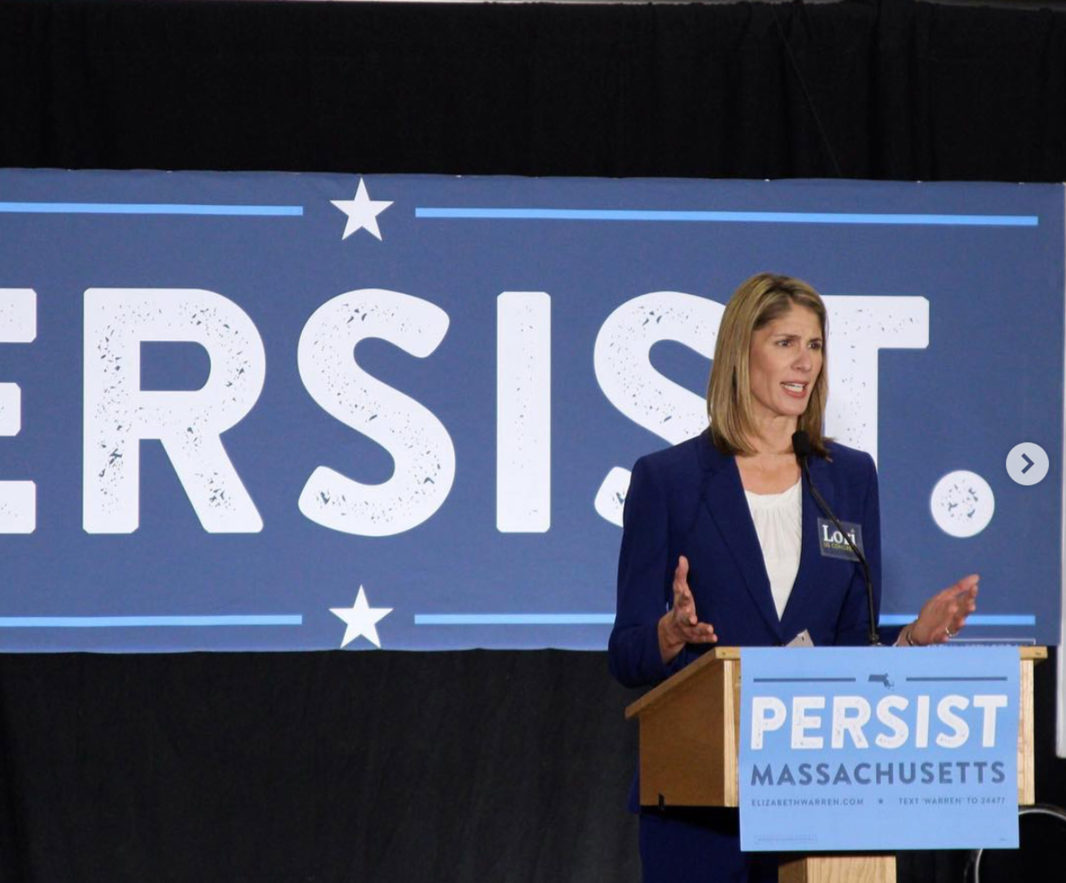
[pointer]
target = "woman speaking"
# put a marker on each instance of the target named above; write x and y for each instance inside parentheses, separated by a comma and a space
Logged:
(721, 544)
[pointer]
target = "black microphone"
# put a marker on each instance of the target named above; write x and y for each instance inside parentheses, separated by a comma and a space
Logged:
(801, 446)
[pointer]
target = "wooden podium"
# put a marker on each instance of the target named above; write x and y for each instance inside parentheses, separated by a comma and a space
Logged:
(695, 716)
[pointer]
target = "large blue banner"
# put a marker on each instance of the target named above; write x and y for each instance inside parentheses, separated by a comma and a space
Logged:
(275, 411)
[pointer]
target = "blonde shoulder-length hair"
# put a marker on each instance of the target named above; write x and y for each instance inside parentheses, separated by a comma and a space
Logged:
(757, 302)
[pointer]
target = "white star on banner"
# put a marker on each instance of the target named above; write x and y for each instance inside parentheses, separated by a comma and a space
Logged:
(362, 212)
(361, 620)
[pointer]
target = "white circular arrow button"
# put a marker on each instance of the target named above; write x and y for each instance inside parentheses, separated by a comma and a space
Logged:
(1027, 463)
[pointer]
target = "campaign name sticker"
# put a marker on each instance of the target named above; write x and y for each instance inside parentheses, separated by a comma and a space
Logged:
(879, 748)
(832, 542)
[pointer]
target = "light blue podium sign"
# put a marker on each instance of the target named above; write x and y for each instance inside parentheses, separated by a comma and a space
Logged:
(873, 749)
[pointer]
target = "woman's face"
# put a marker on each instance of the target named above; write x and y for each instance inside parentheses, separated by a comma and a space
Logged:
(784, 362)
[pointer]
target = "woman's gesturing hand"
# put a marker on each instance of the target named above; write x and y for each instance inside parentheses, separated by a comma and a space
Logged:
(943, 616)
(680, 625)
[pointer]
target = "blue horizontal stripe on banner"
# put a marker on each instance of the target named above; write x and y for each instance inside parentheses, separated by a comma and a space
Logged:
(608, 619)
(980, 619)
(563, 214)
(514, 618)
(75, 622)
(148, 208)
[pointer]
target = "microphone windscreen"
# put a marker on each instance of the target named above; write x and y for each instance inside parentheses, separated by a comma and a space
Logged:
(801, 443)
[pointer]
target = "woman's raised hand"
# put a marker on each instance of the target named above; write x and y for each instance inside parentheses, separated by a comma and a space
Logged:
(943, 616)
(680, 625)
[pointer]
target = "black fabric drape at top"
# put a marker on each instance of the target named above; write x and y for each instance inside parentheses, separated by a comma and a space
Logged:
(446, 766)
(861, 89)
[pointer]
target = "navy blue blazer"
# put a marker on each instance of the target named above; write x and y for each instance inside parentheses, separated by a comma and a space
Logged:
(688, 500)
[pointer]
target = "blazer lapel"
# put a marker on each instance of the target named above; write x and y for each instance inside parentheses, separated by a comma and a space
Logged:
(722, 495)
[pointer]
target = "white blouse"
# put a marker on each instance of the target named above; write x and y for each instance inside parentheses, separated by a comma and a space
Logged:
(778, 522)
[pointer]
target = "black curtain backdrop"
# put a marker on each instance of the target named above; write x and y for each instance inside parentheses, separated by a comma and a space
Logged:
(502, 766)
